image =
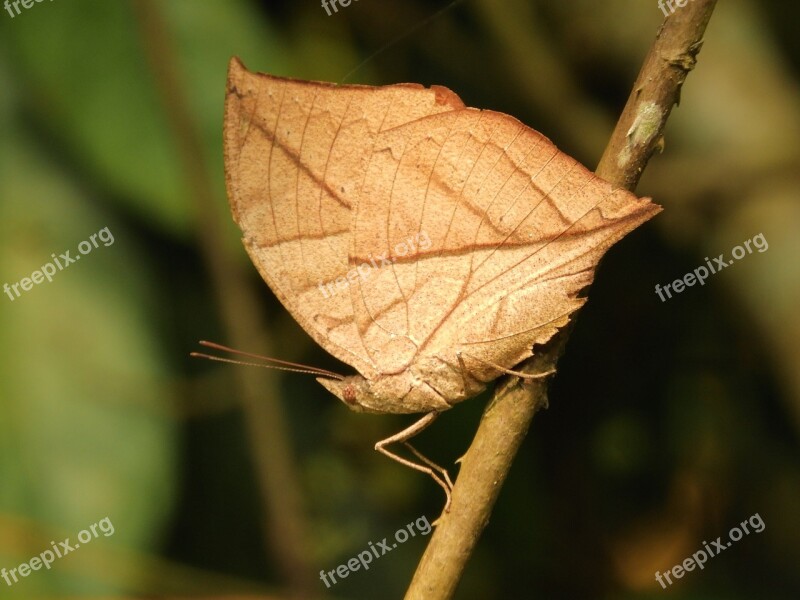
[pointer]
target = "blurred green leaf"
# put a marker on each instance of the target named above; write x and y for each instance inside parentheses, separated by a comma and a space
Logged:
(79, 365)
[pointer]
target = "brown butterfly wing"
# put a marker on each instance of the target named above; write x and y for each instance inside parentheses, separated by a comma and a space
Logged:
(516, 229)
(296, 154)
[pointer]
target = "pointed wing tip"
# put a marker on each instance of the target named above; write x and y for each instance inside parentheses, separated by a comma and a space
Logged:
(235, 69)
(236, 74)
(649, 207)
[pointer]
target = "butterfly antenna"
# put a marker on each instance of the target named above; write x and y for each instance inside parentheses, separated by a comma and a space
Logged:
(282, 365)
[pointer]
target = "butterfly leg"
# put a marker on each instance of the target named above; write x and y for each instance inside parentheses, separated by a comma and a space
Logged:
(438, 474)
(442, 471)
(506, 371)
(466, 378)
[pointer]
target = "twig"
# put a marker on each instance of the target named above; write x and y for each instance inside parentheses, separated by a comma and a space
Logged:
(506, 420)
(658, 87)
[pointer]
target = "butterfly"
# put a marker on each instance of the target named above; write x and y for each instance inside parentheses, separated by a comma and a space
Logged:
(427, 244)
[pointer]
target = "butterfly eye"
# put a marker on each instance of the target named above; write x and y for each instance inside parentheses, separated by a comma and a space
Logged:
(349, 393)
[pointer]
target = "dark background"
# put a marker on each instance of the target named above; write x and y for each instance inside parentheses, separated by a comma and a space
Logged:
(669, 422)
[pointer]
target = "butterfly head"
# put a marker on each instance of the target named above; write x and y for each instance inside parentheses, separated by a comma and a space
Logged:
(354, 391)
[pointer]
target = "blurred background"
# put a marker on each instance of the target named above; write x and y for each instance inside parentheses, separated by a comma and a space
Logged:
(669, 422)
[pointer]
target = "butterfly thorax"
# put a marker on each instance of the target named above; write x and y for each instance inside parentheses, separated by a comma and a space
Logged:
(413, 390)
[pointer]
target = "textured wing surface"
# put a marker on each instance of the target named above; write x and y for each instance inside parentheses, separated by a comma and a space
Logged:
(296, 158)
(507, 231)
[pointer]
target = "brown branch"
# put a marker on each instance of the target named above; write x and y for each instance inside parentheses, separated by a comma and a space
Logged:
(506, 420)
(657, 88)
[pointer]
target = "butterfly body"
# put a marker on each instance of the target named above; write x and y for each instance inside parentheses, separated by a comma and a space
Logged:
(430, 385)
